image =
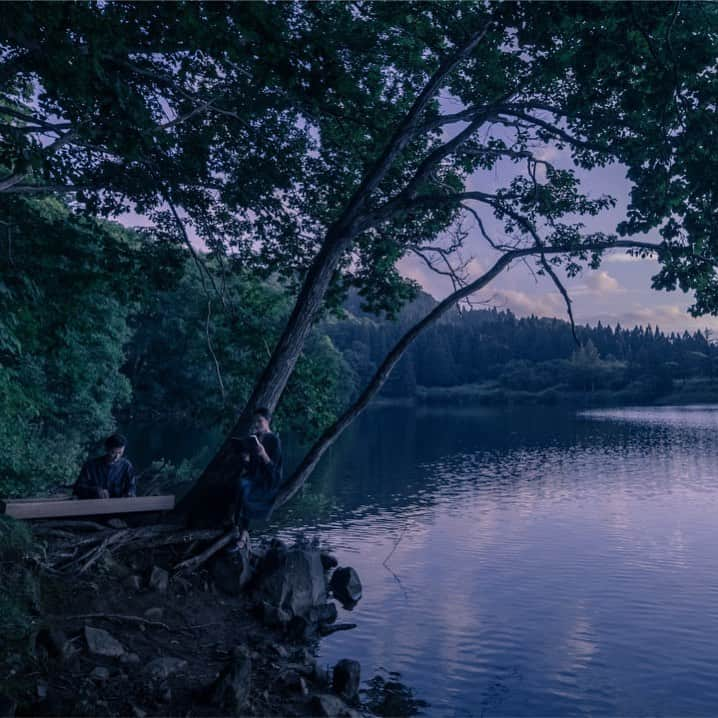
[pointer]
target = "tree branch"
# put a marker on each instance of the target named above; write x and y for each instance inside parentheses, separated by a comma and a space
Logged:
(330, 435)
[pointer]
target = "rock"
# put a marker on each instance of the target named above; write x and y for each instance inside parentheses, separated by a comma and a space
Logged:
(328, 561)
(133, 582)
(159, 579)
(53, 642)
(154, 614)
(117, 524)
(325, 704)
(41, 690)
(292, 580)
(100, 673)
(101, 643)
(129, 659)
(7, 706)
(346, 678)
(114, 568)
(280, 650)
(231, 572)
(324, 614)
(346, 586)
(275, 616)
(230, 691)
(138, 712)
(164, 667)
(320, 675)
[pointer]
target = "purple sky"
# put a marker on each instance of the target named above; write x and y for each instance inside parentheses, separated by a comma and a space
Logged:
(620, 291)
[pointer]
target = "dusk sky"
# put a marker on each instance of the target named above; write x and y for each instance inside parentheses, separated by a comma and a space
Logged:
(619, 292)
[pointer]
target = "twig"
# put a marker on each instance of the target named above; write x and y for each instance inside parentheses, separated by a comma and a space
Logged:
(113, 617)
(193, 563)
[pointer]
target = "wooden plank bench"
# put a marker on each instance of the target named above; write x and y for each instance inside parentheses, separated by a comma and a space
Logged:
(61, 507)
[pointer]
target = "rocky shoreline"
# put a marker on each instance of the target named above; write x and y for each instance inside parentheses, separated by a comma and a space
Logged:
(237, 636)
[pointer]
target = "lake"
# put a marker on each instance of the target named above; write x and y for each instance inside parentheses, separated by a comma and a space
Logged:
(528, 562)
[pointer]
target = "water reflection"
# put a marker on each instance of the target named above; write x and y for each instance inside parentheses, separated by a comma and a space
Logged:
(533, 562)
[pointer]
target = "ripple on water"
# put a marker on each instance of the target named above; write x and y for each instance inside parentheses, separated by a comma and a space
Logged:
(564, 567)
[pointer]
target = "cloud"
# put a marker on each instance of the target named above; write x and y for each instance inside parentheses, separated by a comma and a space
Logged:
(602, 282)
(523, 304)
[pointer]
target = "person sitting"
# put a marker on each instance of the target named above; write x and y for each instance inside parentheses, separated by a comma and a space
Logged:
(108, 476)
(260, 474)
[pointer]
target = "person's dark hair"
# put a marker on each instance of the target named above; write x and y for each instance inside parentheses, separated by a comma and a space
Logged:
(116, 441)
(263, 411)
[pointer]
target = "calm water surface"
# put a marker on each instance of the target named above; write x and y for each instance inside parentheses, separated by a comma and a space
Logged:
(529, 562)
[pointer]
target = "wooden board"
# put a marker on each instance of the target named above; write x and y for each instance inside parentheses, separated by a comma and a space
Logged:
(57, 508)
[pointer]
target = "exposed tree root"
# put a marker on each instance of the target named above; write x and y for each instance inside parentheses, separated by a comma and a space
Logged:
(69, 553)
(195, 562)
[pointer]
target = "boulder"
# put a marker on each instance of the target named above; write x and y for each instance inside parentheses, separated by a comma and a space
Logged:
(346, 586)
(129, 659)
(164, 667)
(154, 614)
(292, 580)
(101, 643)
(230, 692)
(159, 579)
(346, 678)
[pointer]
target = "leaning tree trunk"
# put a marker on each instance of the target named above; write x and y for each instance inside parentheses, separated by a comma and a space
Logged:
(206, 501)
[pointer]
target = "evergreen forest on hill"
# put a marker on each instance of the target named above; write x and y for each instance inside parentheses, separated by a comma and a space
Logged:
(495, 357)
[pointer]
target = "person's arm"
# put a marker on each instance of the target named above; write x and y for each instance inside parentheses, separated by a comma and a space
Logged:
(86, 485)
(271, 456)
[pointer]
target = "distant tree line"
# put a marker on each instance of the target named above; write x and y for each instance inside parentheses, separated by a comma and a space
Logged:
(496, 356)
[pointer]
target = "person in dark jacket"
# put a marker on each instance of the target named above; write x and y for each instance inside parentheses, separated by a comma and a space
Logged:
(107, 477)
(261, 472)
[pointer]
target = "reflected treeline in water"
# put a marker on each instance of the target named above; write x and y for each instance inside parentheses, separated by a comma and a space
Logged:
(397, 457)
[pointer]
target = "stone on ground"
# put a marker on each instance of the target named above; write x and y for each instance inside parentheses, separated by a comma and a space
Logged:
(230, 691)
(159, 579)
(346, 586)
(164, 667)
(101, 643)
(293, 581)
(347, 676)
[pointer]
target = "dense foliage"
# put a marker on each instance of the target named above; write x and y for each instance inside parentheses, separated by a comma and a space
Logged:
(98, 324)
(66, 291)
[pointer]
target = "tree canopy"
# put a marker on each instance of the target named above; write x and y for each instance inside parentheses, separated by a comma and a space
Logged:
(322, 142)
